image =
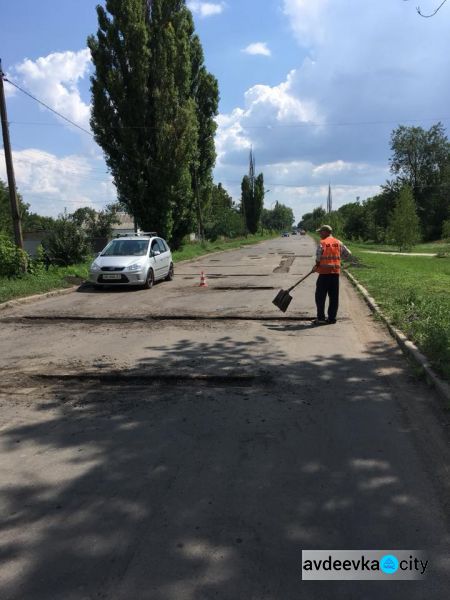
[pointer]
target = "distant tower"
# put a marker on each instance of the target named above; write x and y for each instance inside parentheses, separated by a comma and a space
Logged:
(251, 169)
(329, 200)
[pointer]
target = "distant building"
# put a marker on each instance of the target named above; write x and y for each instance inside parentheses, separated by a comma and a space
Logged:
(126, 225)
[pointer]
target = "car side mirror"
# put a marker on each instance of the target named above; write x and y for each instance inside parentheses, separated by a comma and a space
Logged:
(156, 252)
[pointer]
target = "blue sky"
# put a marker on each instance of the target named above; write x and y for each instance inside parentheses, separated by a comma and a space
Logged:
(315, 87)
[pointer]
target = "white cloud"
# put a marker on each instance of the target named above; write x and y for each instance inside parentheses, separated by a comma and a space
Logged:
(54, 79)
(368, 68)
(270, 112)
(205, 9)
(50, 183)
(307, 19)
(258, 48)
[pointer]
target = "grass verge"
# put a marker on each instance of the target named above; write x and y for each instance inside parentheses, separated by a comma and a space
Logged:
(438, 247)
(63, 277)
(45, 281)
(413, 292)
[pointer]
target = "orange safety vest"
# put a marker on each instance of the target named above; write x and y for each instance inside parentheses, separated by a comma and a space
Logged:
(330, 259)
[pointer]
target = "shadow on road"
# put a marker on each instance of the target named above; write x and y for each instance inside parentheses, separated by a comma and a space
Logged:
(180, 490)
(89, 288)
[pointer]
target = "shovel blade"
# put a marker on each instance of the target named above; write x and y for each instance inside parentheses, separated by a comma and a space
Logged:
(282, 300)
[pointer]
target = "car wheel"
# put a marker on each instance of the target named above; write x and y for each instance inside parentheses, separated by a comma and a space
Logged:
(150, 280)
(171, 273)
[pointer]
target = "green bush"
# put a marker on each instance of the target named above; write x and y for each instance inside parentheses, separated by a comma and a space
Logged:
(66, 243)
(446, 230)
(36, 264)
(13, 260)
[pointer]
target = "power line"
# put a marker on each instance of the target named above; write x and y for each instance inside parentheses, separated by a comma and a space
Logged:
(48, 107)
(431, 14)
(267, 126)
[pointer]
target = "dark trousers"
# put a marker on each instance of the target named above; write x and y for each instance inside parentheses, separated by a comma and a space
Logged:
(327, 285)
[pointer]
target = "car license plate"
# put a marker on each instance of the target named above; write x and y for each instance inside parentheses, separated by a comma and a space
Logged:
(112, 276)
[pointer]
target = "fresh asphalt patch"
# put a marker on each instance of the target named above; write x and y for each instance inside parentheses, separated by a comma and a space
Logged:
(46, 319)
(244, 287)
(285, 264)
(173, 378)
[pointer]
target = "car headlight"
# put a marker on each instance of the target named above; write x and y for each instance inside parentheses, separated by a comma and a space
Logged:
(134, 267)
(95, 267)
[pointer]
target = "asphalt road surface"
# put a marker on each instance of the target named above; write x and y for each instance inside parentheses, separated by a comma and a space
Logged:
(187, 443)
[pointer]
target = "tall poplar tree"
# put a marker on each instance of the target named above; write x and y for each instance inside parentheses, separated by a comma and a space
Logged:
(252, 197)
(149, 106)
(205, 90)
(120, 88)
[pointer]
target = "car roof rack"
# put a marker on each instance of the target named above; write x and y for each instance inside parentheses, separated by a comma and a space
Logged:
(139, 234)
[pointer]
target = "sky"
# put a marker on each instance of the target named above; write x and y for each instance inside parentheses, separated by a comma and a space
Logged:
(314, 87)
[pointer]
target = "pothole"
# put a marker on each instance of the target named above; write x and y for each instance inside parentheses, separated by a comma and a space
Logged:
(284, 265)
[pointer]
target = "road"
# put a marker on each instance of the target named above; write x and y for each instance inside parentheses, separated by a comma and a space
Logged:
(186, 443)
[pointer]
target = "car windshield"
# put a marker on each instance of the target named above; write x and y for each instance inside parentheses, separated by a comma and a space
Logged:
(126, 248)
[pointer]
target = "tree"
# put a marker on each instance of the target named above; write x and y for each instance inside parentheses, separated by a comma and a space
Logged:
(66, 243)
(35, 222)
(446, 230)
(280, 218)
(419, 155)
(252, 197)
(153, 107)
(224, 217)
(6, 224)
(121, 56)
(96, 224)
(354, 220)
(313, 220)
(205, 90)
(421, 159)
(404, 228)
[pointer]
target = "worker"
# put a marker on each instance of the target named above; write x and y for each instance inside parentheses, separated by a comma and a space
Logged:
(330, 252)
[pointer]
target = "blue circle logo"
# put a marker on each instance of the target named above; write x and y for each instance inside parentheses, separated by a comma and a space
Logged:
(389, 564)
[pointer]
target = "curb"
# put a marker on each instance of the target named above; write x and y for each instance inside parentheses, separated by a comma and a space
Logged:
(405, 344)
(29, 299)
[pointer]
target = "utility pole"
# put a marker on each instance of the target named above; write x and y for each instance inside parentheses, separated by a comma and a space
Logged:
(9, 167)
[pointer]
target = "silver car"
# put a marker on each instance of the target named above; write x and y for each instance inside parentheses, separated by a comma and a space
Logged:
(133, 260)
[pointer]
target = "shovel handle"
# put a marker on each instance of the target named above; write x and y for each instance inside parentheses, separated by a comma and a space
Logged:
(302, 279)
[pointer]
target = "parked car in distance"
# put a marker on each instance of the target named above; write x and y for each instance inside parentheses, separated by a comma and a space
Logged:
(133, 260)
(294, 232)
(285, 234)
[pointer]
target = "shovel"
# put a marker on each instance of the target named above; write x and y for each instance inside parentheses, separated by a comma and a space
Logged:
(283, 298)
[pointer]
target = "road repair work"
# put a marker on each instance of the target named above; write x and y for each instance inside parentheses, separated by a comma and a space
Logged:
(188, 442)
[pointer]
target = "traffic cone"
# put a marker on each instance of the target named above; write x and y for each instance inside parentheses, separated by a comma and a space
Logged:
(203, 282)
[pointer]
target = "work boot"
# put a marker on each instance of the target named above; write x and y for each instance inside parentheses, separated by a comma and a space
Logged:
(320, 322)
